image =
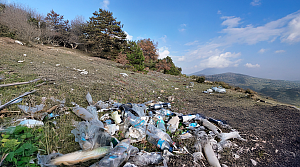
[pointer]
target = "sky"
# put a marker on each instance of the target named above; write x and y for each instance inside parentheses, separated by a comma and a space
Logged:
(260, 38)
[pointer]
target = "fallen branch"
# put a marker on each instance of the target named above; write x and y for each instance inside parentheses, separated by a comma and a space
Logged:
(20, 83)
(6, 111)
(14, 100)
(3, 158)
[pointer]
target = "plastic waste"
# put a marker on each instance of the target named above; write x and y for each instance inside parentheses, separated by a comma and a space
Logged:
(89, 98)
(91, 135)
(211, 126)
(83, 113)
(164, 112)
(30, 123)
(144, 158)
(160, 123)
(27, 109)
(116, 117)
(111, 128)
(185, 136)
(219, 89)
(161, 134)
(140, 109)
(173, 124)
(81, 156)
(101, 105)
(137, 133)
(117, 155)
(160, 143)
(45, 160)
(186, 118)
(135, 121)
(159, 106)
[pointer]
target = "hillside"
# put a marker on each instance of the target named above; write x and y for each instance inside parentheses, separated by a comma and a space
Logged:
(271, 130)
(283, 91)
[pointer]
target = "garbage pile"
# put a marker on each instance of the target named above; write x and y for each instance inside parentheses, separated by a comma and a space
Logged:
(146, 122)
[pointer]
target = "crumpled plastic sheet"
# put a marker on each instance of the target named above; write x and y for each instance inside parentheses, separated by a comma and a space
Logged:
(32, 110)
(144, 158)
(91, 135)
(45, 160)
(137, 133)
(139, 109)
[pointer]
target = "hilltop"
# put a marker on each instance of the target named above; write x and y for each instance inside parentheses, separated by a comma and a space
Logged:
(281, 90)
(271, 130)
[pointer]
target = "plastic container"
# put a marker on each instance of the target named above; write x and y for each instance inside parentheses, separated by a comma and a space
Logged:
(144, 158)
(83, 113)
(186, 118)
(160, 124)
(117, 155)
(160, 143)
(116, 117)
(163, 135)
(159, 106)
(173, 124)
(136, 122)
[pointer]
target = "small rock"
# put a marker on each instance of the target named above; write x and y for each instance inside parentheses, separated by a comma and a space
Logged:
(235, 156)
(57, 65)
(162, 91)
(20, 61)
(24, 55)
(253, 162)
(276, 151)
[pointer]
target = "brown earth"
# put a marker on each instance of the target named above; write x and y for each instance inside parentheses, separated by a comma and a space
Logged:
(272, 131)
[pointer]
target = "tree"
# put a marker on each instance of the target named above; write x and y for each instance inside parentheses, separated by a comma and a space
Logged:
(103, 35)
(168, 66)
(76, 31)
(136, 57)
(16, 20)
(150, 50)
(58, 27)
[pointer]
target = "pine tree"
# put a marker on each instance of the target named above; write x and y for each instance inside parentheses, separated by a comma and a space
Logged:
(136, 57)
(103, 35)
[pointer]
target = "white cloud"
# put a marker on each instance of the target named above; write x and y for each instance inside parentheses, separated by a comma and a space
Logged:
(231, 21)
(249, 65)
(220, 60)
(293, 33)
(255, 3)
(262, 50)
(219, 12)
(181, 58)
(128, 37)
(191, 43)
(105, 4)
(182, 25)
(163, 52)
(164, 38)
(279, 51)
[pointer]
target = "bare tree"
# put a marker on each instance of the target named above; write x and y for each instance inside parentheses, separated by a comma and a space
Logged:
(20, 21)
(76, 31)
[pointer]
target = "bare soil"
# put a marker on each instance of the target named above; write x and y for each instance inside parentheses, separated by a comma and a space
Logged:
(272, 130)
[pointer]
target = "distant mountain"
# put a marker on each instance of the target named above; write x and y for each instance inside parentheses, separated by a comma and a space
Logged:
(283, 91)
(207, 71)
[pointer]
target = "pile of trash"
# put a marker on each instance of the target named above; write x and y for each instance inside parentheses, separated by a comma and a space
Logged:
(146, 122)
(218, 89)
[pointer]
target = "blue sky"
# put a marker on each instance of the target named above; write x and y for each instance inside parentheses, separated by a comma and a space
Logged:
(255, 37)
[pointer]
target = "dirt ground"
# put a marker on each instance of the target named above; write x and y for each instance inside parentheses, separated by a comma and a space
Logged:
(272, 131)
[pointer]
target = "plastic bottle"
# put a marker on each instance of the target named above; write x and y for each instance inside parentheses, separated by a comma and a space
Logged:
(135, 121)
(160, 143)
(116, 156)
(186, 118)
(159, 106)
(163, 135)
(161, 124)
(83, 113)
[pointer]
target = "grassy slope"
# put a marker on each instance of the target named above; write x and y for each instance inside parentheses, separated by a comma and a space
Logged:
(283, 91)
(103, 82)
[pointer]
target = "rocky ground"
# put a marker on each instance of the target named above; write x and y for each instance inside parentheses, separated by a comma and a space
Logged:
(272, 131)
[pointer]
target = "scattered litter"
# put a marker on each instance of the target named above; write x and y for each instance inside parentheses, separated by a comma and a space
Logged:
(253, 162)
(57, 65)
(185, 136)
(30, 123)
(18, 42)
(20, 61)
(81, 156)
(24, 55)
(124, 74)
